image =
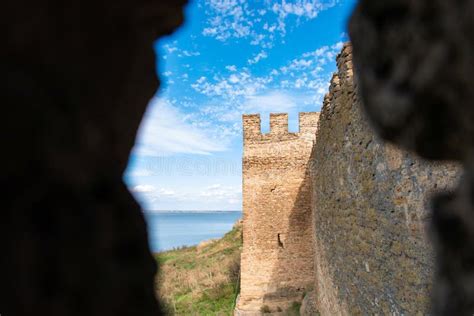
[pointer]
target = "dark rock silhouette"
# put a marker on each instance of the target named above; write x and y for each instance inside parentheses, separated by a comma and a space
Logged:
(76, 78)
(414, 61)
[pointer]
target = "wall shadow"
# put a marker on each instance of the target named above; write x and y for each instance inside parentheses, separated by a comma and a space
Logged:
(297, 248)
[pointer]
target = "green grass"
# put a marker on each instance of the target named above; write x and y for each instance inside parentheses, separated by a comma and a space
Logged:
(294, 309)
(201, 280)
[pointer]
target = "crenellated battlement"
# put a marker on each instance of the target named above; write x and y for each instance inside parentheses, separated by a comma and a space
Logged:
(252, 128)
(308, 122)
(278, 123)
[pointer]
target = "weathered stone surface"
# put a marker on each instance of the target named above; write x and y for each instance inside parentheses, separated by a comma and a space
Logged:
(76, 77)
(308, 306)
(370, 211)
(415, 61)
(277, 256)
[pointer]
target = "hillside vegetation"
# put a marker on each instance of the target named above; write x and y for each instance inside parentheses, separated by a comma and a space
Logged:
(201, 280)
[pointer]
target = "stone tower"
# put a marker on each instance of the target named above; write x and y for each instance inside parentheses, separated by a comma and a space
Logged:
(277, 256)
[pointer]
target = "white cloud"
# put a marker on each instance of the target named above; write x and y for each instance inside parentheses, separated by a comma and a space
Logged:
(257, 58)
(217, 196)
(299, 84)
(323, 51)
(173, 49)
(274, 101)
(137, 171)
(170, 49)
(201, 79)
(143, 188)
(296, 65)
(220, 192)
(233, 78)
(308, 71)
(165, 192)
(238, 19)
(301, 8)
(151, 196)
(236, 85)
(164, 131)
(227, 18)
(187, 53)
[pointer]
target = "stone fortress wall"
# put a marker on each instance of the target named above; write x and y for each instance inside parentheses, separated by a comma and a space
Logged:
(370, 211)
(277, 257)
(357, 205)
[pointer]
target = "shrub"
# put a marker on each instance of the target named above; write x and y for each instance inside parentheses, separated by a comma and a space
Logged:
(294, 309)
(167, 307)
(265, 309)
(234, 269)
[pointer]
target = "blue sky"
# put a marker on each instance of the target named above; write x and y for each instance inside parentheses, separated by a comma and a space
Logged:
(230, 57)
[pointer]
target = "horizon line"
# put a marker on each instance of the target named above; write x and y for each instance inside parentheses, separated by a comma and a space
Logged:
(171, 210)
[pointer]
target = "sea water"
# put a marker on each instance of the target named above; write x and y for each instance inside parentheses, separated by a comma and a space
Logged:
(169, 229)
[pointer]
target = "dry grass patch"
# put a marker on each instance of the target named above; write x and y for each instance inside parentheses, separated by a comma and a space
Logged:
(201, 280)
